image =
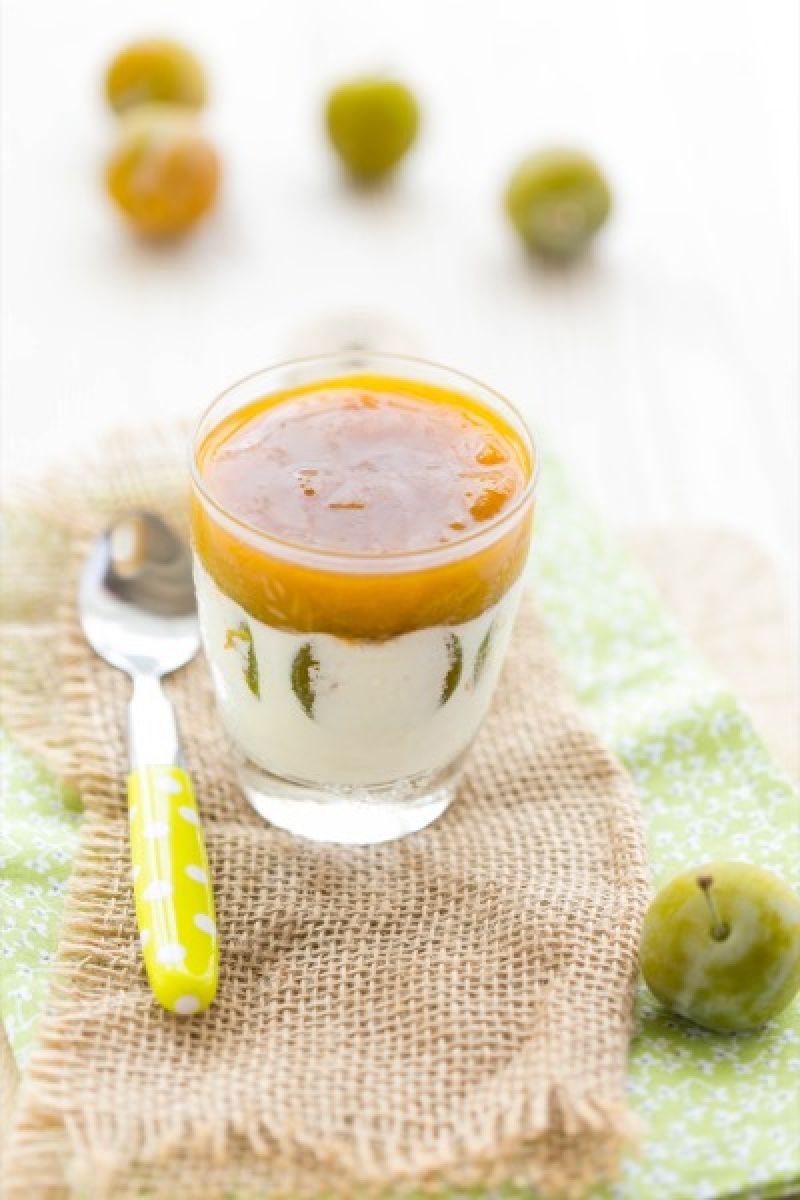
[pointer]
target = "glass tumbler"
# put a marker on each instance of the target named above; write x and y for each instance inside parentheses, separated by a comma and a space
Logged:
(352, 684)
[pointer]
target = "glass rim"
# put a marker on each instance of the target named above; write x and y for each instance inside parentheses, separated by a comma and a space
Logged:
(376, 561)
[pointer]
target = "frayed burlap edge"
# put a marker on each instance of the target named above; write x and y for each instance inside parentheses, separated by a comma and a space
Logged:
(561, 1141)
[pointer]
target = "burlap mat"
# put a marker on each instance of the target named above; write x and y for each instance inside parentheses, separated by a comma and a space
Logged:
(451, 1009)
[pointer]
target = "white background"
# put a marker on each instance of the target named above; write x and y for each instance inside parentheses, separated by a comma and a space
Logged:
(665, 369)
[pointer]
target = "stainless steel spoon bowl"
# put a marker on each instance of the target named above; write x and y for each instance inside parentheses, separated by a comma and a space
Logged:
(137, 608)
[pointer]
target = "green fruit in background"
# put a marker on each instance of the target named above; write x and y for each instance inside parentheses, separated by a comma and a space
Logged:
(155, 71)
(721, 946)
(371, 123)
(557, 200)
(162, 174)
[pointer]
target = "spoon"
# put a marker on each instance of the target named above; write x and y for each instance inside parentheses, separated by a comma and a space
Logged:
(138, 612)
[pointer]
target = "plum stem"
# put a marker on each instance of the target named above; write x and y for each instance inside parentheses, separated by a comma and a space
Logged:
(719, 929)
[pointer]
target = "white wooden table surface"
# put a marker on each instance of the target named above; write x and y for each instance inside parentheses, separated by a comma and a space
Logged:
(666, 369)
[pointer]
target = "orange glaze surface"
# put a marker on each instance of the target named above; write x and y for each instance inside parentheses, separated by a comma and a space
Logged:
(369, 467)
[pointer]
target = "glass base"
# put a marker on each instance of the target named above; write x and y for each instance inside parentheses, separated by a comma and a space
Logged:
(350, 816)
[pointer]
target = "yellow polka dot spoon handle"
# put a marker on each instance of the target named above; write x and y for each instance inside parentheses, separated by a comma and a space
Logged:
(138, 612)
(172, 889)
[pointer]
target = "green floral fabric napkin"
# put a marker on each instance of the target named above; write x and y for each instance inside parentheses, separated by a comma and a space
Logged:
(722, 1113)
(39, 826)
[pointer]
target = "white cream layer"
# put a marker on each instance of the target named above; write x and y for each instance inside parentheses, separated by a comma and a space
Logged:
(377, 713)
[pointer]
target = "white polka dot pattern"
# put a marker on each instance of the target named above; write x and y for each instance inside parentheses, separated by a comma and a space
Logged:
(169, 785)
(171, 954)
(187, 1006)
(157, 889)
(156, 829)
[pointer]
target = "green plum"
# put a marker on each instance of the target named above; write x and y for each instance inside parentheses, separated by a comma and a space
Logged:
(557, 200)
(721, 946)
(155, 71)
(372, 123)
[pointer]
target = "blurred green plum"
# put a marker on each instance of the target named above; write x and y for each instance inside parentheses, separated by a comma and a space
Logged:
(372, 123)
(557, 200)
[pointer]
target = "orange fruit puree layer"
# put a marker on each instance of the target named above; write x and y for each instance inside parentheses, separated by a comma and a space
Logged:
(358, 471)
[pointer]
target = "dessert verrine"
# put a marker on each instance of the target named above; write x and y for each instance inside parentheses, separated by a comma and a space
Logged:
(359, 539)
